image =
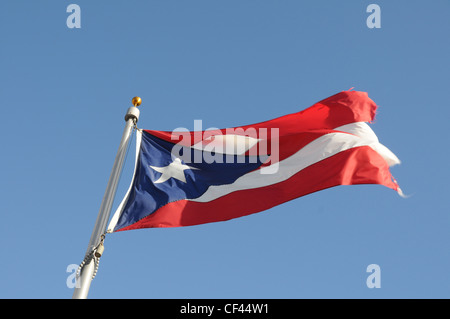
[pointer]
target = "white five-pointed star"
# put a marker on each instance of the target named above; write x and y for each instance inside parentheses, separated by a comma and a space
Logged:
(173, 170)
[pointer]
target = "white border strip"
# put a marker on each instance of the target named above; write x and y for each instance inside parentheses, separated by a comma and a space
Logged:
(118, 212)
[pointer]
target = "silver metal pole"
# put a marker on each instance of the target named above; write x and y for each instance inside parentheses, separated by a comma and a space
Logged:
(88, 266)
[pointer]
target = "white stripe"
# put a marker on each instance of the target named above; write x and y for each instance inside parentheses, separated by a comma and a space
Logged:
(230, 144)
(364, 131)
(118, 212)
(321, 148)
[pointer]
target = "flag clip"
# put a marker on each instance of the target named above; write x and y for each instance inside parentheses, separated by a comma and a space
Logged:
(100, 248)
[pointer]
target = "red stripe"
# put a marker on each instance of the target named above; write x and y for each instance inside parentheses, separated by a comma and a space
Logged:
(361, 165)
(340, 109)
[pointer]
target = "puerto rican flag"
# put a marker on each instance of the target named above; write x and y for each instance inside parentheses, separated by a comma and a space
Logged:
(188, 178)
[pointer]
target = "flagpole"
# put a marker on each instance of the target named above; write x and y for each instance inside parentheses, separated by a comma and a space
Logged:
(88, 267)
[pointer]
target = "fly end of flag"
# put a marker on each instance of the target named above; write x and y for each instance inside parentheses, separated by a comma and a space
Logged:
(402, 195)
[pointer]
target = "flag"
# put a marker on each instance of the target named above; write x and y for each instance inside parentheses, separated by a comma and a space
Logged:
(184, 178)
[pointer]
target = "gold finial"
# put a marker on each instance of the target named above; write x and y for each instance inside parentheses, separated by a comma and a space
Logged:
(136, 101)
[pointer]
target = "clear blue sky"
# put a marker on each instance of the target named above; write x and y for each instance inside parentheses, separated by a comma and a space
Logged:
(64, 92)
